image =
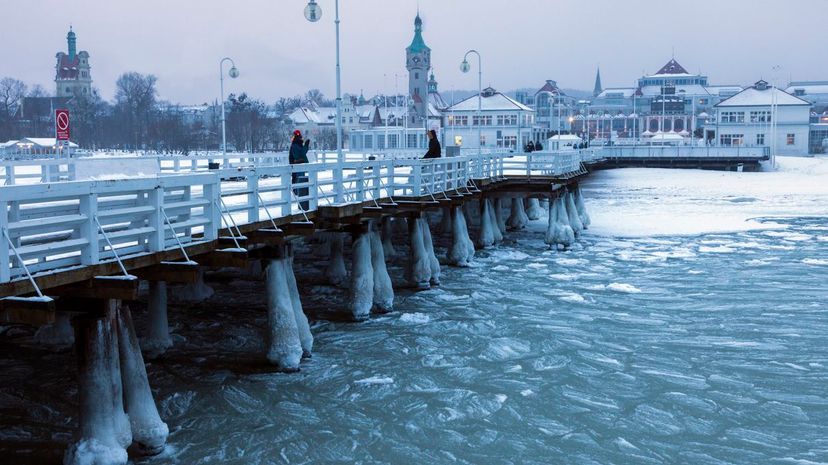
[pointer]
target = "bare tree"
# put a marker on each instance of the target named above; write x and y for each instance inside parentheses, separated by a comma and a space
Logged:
(39, 91)
(135, 101)
(12, 92)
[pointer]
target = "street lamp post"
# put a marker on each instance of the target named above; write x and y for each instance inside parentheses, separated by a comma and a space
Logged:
(464, 67)
(313, 13)
(233, 72)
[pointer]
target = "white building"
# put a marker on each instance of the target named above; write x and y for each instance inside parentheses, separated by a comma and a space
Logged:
(503, 122)
(747, 118)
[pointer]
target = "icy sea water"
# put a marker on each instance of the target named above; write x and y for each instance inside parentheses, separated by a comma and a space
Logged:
(699, 350)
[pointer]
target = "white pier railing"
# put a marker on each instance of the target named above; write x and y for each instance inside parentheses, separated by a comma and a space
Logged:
(54, 223)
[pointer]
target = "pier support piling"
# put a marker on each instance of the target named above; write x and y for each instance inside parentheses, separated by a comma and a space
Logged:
(149, 432)
(418, 272)
(335, 273)
(500, 218)
(534, 211)
(97, 440)
(157, 340)
(387, 234)
(284, 345)
(579, 204)
(518, 218)
(58, 335)
(485, 237)
(461, 250)
(383, 289)
(572, 212)
(361, 298)
(302, 325)
(433, 262)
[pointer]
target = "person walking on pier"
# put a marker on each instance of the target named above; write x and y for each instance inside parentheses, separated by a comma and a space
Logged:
(299, 154)
(434, 148)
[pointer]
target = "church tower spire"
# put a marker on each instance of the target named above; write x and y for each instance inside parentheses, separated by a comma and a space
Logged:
(71, 41)
(596, 91)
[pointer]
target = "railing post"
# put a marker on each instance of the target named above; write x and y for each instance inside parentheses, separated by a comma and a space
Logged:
(5, 263)
(376, 172)
(313, 190)
(253, 197)
(286, 180)
(212, 193)
(417, 171)
(360, 176)
(89, 230)
(156, 240)
(337, 178)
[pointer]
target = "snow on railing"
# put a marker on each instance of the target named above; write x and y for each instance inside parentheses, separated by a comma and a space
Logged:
(687, 151)
(64, 224)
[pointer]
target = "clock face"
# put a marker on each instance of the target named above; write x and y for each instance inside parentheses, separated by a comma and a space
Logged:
(416, 59)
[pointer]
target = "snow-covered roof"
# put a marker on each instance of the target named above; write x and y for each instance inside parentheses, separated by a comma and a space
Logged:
(7, 144)
(809, 87)
(723, 90)
(42, 142)
(672, 69)
(565, 138)
(762, 95)
(434, 98)
(491, 101)
(667, 136)
(625, 92)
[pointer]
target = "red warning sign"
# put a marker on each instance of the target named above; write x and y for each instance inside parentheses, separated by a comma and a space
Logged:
(62, 124)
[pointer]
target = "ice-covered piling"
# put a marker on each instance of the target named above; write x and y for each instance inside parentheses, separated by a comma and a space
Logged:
(572, 212)
(123, 430)
(497, 233)
(305, 336)
(387, 233)
(96, 442)
(485, 238)
(582, 212)
(461, 250)
(433, 262)
(418, 271)
(335, 273)
(361, 298)
(558, 231)
(157, 340)
(284, 345)
(500, 218)
(149, 432)
(446, 220)
(534, 212)
(383, 289)
(195, 292)
(518, 218)
(58, 335)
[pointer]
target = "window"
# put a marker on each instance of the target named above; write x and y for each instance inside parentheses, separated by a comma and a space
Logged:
(411, 141)
(381, 142)
(482, 120)
(482, 140)
(393, 141)
(458, 120)
(760, 116)
(791, 139)
(731, 139)
(369, 142)
(416, 75)
(760, 139)
(507, 120)
(733, 117)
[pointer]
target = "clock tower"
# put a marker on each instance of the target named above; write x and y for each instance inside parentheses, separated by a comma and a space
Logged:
(418, 62)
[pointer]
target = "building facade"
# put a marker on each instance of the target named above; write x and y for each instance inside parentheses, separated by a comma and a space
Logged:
(762, 115)
(502, 122)
(73, 74)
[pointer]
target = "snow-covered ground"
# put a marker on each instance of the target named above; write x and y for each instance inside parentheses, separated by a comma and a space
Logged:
(637, 202)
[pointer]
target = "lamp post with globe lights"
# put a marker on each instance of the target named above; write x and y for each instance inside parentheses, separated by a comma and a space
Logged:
(313, 13)
(233, 72)
(464, 67)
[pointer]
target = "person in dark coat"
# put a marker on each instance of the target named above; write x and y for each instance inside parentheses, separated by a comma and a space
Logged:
(530, 147)
(434, 148)
(538, 147)
(299, 154)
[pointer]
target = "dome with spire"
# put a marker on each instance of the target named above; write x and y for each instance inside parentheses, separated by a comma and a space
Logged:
(418, 44)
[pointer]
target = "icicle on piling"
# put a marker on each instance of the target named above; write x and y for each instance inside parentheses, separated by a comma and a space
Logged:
(534, 212)
(335, 273)
(284, 345)
(433, 262)
(361, 297)
(517, 219)
(418, 272)
(461, 251)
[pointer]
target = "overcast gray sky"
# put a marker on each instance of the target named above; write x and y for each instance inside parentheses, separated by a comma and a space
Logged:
(523, 42)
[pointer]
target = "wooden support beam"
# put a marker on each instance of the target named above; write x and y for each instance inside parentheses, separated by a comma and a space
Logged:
(301, 228)
(336, 212)
(224, 258)
(229, 241)
(269, 252)
(267, 236)
(34, 311)
(101, 287)
(171, 272)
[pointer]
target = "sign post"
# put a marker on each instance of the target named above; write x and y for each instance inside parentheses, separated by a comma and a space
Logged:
(62, 129)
